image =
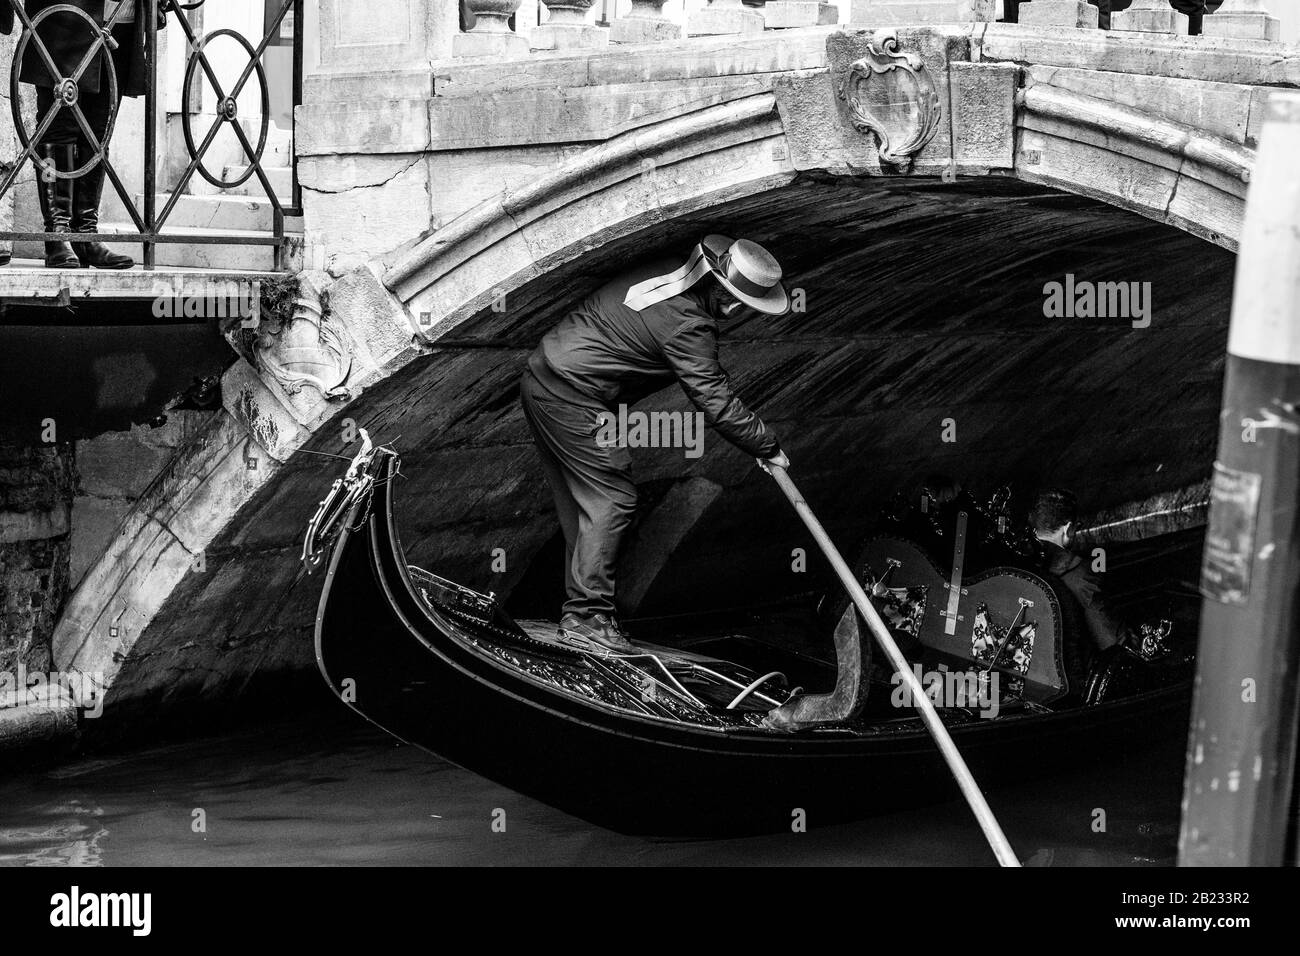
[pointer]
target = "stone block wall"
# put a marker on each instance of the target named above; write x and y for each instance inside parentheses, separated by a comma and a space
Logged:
(36, 489)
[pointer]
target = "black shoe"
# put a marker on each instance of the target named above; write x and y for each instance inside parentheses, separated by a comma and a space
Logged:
(55, 197)
(85, 218)
(598, 629)
(4, 258)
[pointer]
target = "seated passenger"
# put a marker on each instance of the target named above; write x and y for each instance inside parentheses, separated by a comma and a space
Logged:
(1052, 519)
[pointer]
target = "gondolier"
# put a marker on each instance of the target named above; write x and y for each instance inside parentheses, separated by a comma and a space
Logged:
(630, 338)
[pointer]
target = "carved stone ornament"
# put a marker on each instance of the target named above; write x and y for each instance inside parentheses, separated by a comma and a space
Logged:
(891, 94)
(304, 351)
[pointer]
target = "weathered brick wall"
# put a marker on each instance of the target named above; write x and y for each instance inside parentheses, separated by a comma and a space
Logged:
(36, 488)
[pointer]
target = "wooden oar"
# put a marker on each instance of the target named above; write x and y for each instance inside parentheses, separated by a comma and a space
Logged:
(970, 790)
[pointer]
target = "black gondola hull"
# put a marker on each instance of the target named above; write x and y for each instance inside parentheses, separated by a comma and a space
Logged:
(393, 661)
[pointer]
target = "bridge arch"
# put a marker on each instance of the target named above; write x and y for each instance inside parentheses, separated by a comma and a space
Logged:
(1053, 176)
(1185, 166)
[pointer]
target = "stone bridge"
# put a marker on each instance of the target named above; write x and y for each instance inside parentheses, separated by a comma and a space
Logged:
(924, 180)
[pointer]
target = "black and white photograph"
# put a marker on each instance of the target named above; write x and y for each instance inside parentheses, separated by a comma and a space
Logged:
(760, 435)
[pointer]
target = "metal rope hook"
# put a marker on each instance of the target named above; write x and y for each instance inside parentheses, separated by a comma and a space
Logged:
(969, 788)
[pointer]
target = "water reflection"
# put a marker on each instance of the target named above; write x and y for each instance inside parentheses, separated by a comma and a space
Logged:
(331, 791)
(70, 835)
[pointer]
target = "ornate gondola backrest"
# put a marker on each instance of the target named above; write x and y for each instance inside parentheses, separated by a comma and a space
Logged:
(1006, 617)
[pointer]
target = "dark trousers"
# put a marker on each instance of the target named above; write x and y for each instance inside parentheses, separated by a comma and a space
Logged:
(593, 488)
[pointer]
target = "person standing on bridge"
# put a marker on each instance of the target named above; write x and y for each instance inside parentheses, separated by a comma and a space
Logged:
(653, 323)
(72, 205)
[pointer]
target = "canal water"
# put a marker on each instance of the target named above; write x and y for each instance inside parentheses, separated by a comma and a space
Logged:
(329, 789)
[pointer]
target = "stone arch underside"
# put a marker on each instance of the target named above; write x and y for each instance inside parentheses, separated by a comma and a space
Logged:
(924, 302)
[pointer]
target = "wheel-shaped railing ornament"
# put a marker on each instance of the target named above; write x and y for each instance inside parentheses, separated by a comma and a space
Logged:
(66, 88)
(227, 110)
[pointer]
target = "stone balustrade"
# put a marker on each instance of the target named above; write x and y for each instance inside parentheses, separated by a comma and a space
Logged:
(568, 29)
(491, 35)
(567, 24)
(886, 13)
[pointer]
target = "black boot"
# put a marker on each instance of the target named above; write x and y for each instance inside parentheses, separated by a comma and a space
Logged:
(85, 218)
(56, 203)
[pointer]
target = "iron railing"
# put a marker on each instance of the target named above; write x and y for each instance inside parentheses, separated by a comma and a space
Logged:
(149, 221)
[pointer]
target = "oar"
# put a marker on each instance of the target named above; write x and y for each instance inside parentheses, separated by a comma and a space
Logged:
(970, 790)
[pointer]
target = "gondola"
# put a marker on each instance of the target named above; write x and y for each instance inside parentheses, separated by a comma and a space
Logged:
(679, 740)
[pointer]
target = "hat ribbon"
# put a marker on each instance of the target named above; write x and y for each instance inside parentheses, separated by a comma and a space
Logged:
(656, 289)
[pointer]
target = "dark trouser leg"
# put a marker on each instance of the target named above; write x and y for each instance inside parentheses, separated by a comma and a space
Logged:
(565, 504)
(593, 492)
(90, 187)
(56, 152)
(607, 503)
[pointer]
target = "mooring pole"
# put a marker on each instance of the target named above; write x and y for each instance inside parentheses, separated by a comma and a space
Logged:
(1242, 746)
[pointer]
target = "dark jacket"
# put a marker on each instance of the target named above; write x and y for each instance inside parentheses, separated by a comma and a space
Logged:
(615, 354)
(1103, 625)
(68, 37)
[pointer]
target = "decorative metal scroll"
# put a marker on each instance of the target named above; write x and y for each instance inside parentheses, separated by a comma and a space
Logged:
(228, 103)
(891, 94)
(1011, 646)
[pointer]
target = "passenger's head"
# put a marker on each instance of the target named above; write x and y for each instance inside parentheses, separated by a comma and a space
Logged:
(942, 488)
(1053, 515)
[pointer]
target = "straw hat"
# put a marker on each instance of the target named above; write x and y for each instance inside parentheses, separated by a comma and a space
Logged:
(747, 271)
